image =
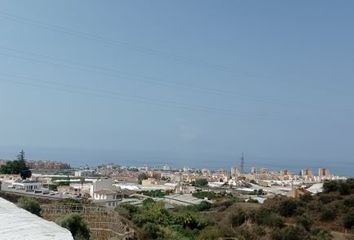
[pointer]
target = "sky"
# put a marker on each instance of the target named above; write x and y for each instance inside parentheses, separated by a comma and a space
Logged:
(186, 83)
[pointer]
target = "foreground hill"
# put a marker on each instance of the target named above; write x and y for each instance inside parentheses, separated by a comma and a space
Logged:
(325, 216)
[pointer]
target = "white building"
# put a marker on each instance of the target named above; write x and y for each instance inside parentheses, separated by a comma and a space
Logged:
(107, 198)
(85, 173)
(104, 193)
(26, 185)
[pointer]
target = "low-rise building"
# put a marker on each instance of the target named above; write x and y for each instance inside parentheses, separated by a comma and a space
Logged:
(108, 198)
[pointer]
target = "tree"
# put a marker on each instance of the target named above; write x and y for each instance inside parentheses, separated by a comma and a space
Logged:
(202, 182)
(203, 205)
(30, 204)
(76, 225)
(16, 166)
(141, 177)
(25, 174)
(21, 156)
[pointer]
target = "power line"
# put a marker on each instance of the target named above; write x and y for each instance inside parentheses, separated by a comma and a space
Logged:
(135, 77)
(147, 50)
(115, 94)
(29, 56)
(97, 37)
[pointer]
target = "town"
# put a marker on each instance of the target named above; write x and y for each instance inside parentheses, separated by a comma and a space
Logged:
(110, 184)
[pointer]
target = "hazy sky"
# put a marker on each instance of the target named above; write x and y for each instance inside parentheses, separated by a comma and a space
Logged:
(182, 82)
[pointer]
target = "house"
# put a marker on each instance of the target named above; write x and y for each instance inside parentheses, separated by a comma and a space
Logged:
(19, 186)
(104, 193)
(107, 198)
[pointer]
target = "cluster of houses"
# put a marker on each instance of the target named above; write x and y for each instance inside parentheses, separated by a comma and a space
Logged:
(101, 191)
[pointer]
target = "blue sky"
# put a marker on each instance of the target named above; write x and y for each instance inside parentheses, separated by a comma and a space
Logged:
(181, 82)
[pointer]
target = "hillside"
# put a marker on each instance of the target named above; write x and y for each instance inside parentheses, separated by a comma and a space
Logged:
(325, 216)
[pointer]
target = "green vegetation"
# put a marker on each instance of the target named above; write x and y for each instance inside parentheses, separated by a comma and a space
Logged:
(202, 182)
(30, 204)
(141, 177)
(211, 195)
(157, 222)
(76, 225)
(17, 166)
(281, 218)
(154, 193)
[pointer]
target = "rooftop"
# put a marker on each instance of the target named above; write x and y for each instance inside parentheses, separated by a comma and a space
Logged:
(16, 223)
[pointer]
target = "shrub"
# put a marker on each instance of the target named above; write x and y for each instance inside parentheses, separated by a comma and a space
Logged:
(152, 231)
(328, 214)
(202, 182)
(307, 197)
(190, 220)
(305, 221)
(237, 218)
(210, 233)
(266, 217)
(30, 204)
(330, 186)
(204, 205)
(287, 207)
(126, 210)
(350, 182)
(321, 234)
(343, 187)
(292, 233)
(327, 198)
(349, 202)
(348, 220)
(76, 225)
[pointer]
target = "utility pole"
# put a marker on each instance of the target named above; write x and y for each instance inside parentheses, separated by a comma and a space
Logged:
(242, 165)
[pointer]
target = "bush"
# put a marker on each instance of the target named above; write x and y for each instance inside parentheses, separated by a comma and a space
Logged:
(327, 198)
(307, 197)
(328, 214)
(30, 204)
(343, 187)
(126, 210)
(330, 186)
(266, 217)
(76, 225)
(250, 232)
(291, 233)
(210, 233)
(348, 220)
(200, 182)
(349, 202)
(304, 221)
(190, 220)
(203, 205)
(152, 231)
(287, 207)
(154, 193)
(321, 234)
(238, 218)
(151, 212)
